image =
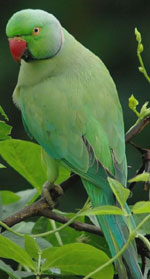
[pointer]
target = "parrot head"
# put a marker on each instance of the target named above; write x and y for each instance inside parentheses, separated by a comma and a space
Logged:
(34, 35)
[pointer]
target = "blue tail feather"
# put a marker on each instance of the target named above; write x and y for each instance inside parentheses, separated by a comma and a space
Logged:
(116, 233)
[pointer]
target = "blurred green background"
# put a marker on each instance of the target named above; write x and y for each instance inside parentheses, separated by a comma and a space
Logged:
(105, 27)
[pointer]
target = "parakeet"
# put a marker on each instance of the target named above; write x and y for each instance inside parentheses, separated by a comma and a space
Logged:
(69, 104)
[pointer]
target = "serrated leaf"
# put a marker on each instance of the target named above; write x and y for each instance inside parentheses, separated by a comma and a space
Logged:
(133, 102)
(141, 207)
(145, 177)
(6, 268)
(25, 158)
(121, 193)
(31, 247)
(78, 259)
(11, 250)
(9, 197)
(103, 210)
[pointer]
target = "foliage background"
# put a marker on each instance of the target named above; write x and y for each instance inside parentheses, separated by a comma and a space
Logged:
(107, 29)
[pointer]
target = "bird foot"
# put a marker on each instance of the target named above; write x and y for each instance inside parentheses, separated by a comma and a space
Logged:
(47, 195)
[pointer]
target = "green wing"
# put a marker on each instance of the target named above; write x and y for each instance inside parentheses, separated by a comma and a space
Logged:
(75, 110)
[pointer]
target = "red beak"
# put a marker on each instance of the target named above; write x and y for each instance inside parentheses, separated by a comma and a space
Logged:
(17, 47)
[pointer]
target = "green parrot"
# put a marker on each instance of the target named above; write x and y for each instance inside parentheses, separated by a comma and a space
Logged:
(69, 104)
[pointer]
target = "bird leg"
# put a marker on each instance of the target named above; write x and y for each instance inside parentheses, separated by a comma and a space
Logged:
(49, 188)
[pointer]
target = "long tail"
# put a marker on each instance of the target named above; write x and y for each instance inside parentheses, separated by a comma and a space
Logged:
(116, 233)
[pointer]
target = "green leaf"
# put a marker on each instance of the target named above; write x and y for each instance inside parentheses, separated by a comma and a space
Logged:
(145, 177)
(25, 158)
(67, 235)
(25, 274)
(5, 130)
(22, 227)
(1, 208)
(97, 241)
(6, 268)
(145, 229)
(141, 207)
(10, 250)
(2, 166)
(64, 174)
(103, 210)
(138, 35)
(121, 193)
(78, 259)
(144, 112)
(133, 102)
(9, 197)
(43, 243)
(31, 247)
(2, 112)
(25, 197)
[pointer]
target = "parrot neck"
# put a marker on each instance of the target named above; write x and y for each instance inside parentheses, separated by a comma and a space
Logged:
(34, 72)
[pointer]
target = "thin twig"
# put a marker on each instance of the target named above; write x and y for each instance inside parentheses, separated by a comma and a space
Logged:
(41, 208)
(76, 225)
(136, 129)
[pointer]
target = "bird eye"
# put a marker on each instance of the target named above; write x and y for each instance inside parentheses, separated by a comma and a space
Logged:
(36, 30)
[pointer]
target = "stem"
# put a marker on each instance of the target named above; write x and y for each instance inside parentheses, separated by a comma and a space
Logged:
(57, 235)
(130, 239)
(39, 266)
(26, 268)
(9, 229)
(145, 240)
(59, 276)
(142, 64)
(136, 129)
(46, 233)
(57, 229)
(19, 267)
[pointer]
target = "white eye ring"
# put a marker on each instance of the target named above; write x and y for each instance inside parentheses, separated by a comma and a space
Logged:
(36, 30)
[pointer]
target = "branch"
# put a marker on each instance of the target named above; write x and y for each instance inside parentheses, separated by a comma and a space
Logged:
(38, 206)
(136, 129)
(76, 225)
(41, 208)
(57, 276)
